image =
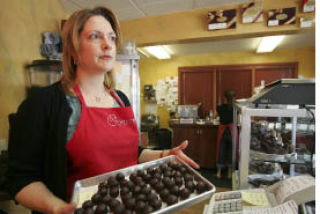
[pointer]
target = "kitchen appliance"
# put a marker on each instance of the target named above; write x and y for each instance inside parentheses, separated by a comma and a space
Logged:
(188, 111)
(42, 73)
(287, 92)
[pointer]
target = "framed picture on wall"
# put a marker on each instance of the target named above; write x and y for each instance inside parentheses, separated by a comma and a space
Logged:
(252, 12)
(222, 19)
(308, 6)
(285, 16)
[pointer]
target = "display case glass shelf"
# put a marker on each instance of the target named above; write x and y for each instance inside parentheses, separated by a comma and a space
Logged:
(275, 142)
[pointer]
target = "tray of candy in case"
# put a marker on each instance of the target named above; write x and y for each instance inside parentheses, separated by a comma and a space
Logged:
(160, 186)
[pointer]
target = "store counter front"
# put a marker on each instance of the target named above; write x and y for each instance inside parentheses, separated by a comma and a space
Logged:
(202, 138)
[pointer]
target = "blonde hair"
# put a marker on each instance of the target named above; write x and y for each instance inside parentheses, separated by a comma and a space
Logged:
(70, 38)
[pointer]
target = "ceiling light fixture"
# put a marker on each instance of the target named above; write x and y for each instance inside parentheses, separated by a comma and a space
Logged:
(269, 43)
(143, 52)
(158, 52)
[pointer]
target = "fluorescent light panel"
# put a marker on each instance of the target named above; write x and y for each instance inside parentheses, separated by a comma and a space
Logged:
(269, 43)
(158, 52)
(143, 52)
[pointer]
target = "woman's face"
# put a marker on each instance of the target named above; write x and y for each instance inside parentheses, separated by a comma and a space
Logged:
(97, 45)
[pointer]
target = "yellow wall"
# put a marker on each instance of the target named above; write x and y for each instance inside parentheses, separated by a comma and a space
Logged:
(21, 24)
(192, 26)
(152, 69)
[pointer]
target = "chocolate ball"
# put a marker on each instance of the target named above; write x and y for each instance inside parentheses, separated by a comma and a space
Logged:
(147, 210)
(126, 196)
(141, 197)
(113, 203)
(176, 174)
(130, 185)
(166, 180)
(184, 193)
(157, 171)
(133, 176)
(146, 177)
(127, 212)
(188, 177)
(174, 190)
(103, 185)
(124, 190)
(170, 184)
(87, 204)
(140, 206)
(140, 172)
(164, 194)
(105, 199)
(163, 167)
(170, 164)
(79, 211)
(178, 181)
(201, 187)
(114, 192)
(150, 171)
(167, 173)
(120, 176)
(156, 175)
(119, 209)
(137, 180)
(190, 186)
(156, 204)
(159, 186)
(123, 182)
(172, 199)
(152, 196)
(174, 166)
(183, 170)
(153, 182)
(141, 183)
(208, 187)
(136, 190)
(112, 181)
(96, 198)
(101, 209)
(88, 211)
(130, 203)
(103, 191)
(145, 190)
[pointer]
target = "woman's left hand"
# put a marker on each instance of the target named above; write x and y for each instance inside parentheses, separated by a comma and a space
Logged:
(178, 152)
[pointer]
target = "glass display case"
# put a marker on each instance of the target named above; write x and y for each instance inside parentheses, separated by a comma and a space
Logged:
(275, 142)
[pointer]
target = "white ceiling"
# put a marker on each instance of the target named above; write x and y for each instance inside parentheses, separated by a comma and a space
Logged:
(132, 9)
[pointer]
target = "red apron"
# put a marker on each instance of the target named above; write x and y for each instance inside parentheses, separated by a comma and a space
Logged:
(106, 139)
(221, 129)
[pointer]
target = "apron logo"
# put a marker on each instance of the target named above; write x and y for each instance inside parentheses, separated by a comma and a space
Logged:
(112, 120)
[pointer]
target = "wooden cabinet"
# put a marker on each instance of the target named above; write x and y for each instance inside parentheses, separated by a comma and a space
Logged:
(196, 86)
(206, 84)
(236, 78)
(202, 142)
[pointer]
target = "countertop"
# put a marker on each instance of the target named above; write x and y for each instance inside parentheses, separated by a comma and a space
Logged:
(176, 122)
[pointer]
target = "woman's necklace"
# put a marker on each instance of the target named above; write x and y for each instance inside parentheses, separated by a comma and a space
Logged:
(96, 98)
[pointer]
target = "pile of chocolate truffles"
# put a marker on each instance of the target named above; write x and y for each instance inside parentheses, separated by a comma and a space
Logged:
(144, 191)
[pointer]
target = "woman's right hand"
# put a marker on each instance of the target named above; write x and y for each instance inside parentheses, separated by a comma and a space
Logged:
(65, 209)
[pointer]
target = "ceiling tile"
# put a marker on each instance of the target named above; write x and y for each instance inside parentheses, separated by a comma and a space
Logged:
(157, 7)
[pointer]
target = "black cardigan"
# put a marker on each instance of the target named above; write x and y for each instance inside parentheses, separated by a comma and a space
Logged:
(37, 141)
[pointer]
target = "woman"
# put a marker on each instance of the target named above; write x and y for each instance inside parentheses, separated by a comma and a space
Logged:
(224, 146)
(79, 127)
